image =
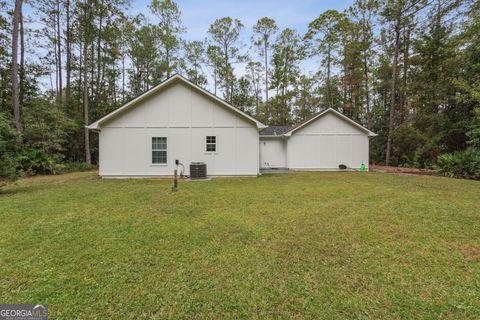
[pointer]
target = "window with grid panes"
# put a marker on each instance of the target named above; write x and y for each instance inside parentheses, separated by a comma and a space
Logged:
(159, 150)
(211, 143)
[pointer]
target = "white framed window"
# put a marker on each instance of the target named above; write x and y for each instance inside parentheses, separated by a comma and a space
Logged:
(159, 150)
(211, 144)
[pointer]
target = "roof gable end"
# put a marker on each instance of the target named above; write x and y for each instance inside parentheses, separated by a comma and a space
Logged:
(324, 112)
(134, 102)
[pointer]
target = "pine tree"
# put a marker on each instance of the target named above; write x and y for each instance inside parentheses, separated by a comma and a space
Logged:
(224, 33)
(264, 30)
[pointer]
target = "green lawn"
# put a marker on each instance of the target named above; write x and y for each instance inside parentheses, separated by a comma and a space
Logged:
(299, 245)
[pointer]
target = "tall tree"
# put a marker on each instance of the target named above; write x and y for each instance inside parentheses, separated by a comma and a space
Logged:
(396, 14)
(14, 74)
(288, 51)
(352, 65)
(254, 69)
(146, 69)
(214, 58)
(68, 45)
(363, 12)
(194, 58)
(170, 29)
(306, 100)
(324, 38)
(87, 39)
(242, 97)
(225, 32)
(264, 30)
(59, 51)
(22, 59)
(49, 13)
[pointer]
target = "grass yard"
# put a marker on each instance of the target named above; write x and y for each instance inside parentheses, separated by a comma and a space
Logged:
(299, 245)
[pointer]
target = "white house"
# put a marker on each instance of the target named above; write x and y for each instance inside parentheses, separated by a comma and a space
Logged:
(179, 121)
(322, 142)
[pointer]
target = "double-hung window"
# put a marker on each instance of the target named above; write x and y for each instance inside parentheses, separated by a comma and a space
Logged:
(159, 150)
(211, 143)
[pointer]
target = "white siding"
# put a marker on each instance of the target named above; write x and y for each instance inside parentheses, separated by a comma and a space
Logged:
(272, 153)
(185, 117)
(327, 142)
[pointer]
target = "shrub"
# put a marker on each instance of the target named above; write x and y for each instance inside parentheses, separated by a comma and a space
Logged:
(474, 133)
(46, 129)
(33, 161)
(73, 166)
(9, 141)
(461, 164)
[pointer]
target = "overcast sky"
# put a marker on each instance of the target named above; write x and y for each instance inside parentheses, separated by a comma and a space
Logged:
(198, 15)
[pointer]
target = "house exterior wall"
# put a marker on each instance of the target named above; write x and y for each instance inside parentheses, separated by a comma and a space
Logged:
(185, 117)
(327, 142)
(273, 152)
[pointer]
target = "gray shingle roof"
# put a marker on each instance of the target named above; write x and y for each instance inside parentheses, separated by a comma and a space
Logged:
(274, 130)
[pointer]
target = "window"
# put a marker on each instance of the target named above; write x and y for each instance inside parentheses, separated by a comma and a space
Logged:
(211, 143)
(159, 150)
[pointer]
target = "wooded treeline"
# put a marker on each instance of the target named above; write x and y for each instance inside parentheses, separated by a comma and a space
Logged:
(407, 69)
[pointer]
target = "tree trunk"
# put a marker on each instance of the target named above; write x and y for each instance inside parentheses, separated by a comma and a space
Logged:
(81, 69)
(344, 87)
(167, 56)
(55, 51)
(266, 72)
(283, 113)
(227, 76)
(403, 98)
(393, 93)
(88, 157)
(367, 90)
(99, 61)
(365, 28)
(59, 51)
(215, 75)
(329, 96)
(15, 88)
(22, 60)
(257, 96)
(92, 64)
(113, 82)
(123, 77)
(68, 93)
(147, 76)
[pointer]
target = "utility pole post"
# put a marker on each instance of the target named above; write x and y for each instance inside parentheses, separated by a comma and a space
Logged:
(175, 181)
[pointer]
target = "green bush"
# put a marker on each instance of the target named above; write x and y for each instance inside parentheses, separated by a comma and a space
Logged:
(73, 166)
(33, 161)
(9, 141)
(461, 164)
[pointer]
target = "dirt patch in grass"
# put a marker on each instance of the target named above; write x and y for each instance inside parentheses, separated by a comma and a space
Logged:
(469, 251)
(403, 171)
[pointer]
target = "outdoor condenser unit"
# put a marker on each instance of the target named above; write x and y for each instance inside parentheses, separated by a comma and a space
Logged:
(198, 170)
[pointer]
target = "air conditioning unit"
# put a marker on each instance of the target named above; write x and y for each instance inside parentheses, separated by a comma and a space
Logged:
(198, 170)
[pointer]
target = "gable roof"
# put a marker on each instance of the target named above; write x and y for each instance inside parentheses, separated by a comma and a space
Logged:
(275, 130)
(321, 114)
(176, 77)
